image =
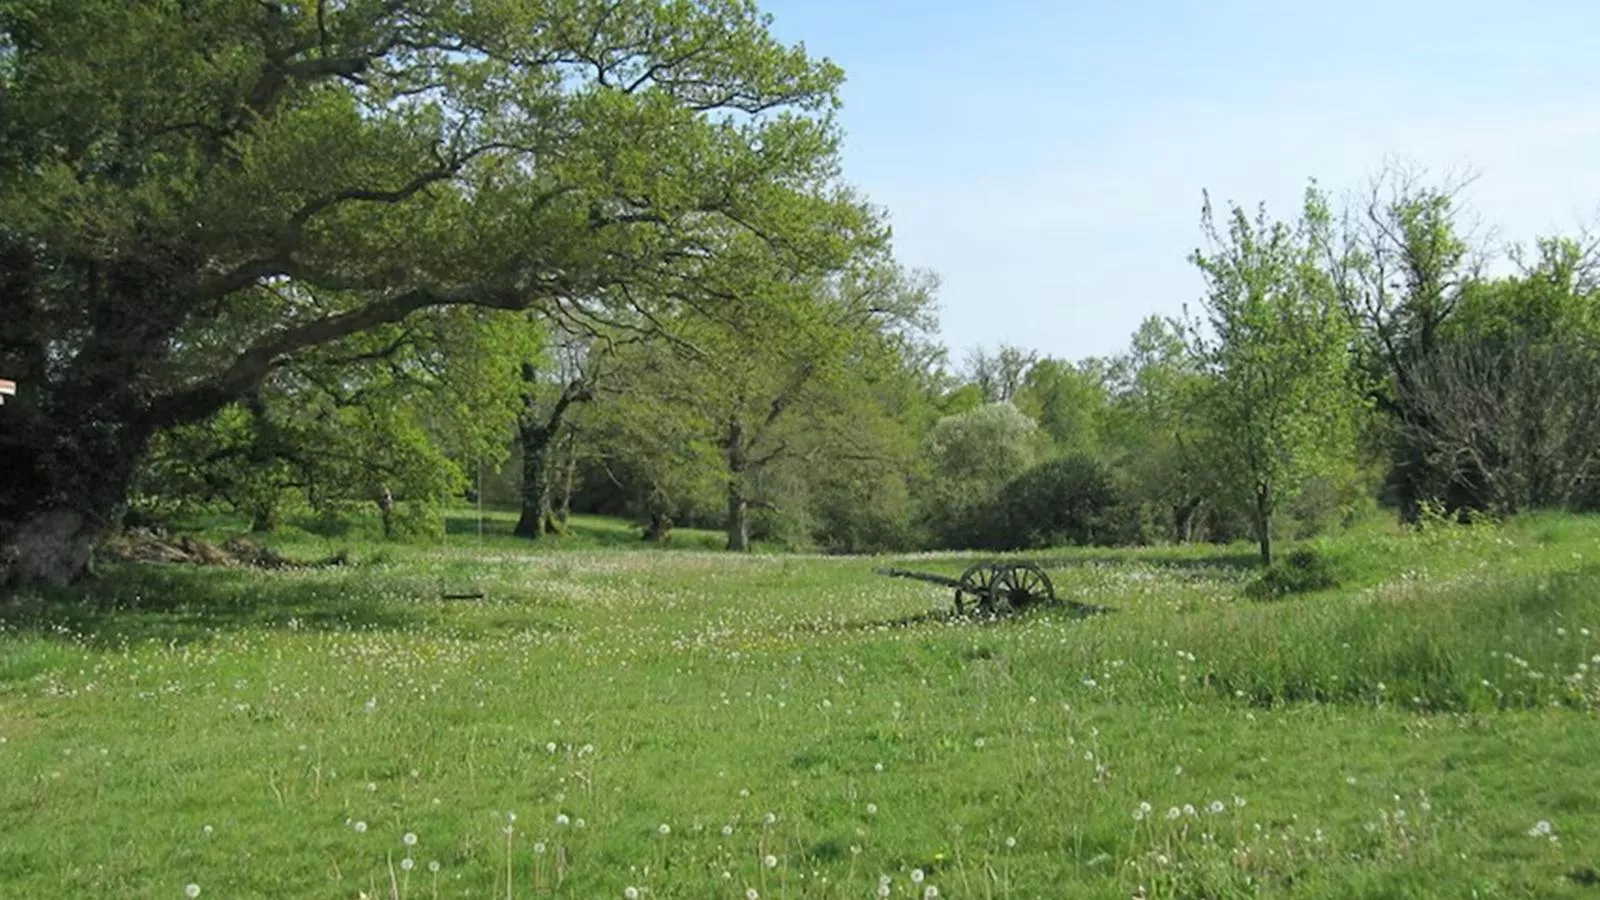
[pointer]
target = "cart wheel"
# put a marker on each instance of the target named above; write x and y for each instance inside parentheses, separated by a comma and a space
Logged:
(976, 591)
(1024, 585)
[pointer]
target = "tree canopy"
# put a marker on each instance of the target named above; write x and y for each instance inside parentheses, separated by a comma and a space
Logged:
(193, 196)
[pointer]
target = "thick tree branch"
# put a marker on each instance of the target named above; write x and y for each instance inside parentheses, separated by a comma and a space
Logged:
(254, 364)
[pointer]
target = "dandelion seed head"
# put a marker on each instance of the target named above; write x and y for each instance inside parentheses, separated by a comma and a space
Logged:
(433, 866)
(663, 829)
(917, 875)
(191, 890)
(406, 864)
(769, 861)
(631, 892)
(409, 839)
(360, 827)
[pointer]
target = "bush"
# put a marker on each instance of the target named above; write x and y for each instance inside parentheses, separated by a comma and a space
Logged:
(1070, 500)
(1304, 570)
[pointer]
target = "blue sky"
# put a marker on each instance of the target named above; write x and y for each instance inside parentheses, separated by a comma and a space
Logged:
(1047, 159)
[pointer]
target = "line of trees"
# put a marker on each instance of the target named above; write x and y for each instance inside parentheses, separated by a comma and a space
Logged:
(300, 257)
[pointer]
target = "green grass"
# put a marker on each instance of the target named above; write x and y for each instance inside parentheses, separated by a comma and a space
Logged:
(466, 528)
(1397, 736)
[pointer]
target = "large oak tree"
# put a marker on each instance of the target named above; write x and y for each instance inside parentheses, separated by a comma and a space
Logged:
(194, 194)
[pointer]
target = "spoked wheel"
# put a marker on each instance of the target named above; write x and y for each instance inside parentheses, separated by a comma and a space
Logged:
(976, 591)
(1023, 585)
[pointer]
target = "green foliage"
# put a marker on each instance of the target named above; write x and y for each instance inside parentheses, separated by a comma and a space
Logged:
(197, 197)
(402, 415)
(794, 405)
(1278, 400)
(973, 455)
(1070, 403)
(1154, 432)
(1302, 571)
(1072, 500)
(984, 447)
(1507, 407)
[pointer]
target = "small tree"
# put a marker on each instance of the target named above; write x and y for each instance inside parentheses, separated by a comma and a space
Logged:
(1275, 349)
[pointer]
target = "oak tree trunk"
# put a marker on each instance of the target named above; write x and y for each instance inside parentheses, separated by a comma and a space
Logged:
(738, 522)
(64, 487)
(534, 520)
(733, 449)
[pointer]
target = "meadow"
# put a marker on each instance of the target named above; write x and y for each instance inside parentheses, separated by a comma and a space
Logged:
(615, 721)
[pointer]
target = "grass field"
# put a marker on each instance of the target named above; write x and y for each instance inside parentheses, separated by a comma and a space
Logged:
(612, 721)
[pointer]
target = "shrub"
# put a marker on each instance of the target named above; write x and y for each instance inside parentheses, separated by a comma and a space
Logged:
(1304, 570)
(1070, 500)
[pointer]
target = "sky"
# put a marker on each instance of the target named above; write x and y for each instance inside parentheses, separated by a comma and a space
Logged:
(1047, 159)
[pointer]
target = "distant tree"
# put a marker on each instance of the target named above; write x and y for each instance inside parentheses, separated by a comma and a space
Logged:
(552, 388)
(1068, 401)
(1509, 402)
(1275, 347)
(998, 376)
(1067, 500)
(974, 454)
(782, 375)
(1155, 433)
(1400, 267)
